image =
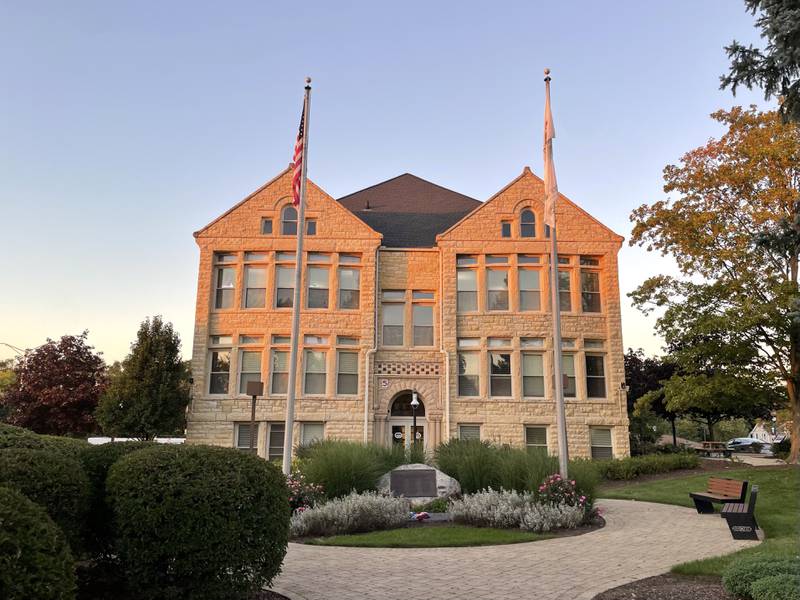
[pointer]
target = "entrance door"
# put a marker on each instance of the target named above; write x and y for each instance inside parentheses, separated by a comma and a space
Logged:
(400, 431)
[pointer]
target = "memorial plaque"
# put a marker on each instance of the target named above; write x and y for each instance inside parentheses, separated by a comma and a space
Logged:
(414, 483)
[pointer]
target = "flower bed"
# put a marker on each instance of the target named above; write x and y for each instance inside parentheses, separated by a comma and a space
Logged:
(519, 510)
(354, 513)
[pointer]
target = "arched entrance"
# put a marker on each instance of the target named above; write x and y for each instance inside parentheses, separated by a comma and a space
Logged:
(401, 420)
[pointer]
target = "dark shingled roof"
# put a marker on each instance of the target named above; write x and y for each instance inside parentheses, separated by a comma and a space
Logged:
(410, 212)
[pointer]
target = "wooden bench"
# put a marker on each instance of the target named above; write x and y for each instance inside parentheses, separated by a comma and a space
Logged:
(719, 489)
(741, 517)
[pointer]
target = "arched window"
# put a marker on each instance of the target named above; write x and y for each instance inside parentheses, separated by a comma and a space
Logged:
(527, 224)
(289, 220)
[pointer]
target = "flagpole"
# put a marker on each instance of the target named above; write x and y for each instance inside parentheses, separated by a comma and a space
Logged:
(298, 281)
(561, 417)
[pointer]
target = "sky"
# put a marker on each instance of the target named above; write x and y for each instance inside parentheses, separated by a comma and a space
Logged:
(126, 126)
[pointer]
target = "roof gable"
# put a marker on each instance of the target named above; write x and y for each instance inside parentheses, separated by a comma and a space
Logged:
(408, 210)
(527, 190)
(244, 218)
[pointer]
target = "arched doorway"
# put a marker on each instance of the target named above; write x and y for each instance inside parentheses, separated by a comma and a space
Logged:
(401, 420)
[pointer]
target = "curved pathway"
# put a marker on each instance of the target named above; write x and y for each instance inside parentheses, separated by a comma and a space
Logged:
(640, 540)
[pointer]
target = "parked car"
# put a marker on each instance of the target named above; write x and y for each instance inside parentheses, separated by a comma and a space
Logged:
(747, 444)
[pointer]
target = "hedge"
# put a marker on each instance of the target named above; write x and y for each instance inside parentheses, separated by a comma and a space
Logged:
(776, 587)
(742, 574)
(635, 466)
(96, 461)
(35, 561)
(55, 481)
(17, 437)
(198, 522)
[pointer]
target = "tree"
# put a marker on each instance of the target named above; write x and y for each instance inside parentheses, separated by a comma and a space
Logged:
(149, 390)
(56, 387)
(7, 379)
(646, 375)
(776, 68)
(731, 311)
(715, 397)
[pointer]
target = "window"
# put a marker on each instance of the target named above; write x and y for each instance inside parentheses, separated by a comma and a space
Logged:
(422, 317)
(220, 371)
(469, 432)
(527, 259)
(500, 374)
(255, 287)
(220, 340)
(497, 282)
(225, 282)
(505, 229)
(494, 342)
(568, 373)
(346, 341)
(589, 261)
(284, 290)
(251, 339)
(529, 290)
(590, 291)
(468, 374)
(280, 371)
(266, 226)
(527, 224)
(349, 287)
(594, 344)
(317, 287)
(243, 437)
(467, 281)
(536, 439)
(249, 368)
(277, 431)
(568, 342)
(531, 342)
(393, 309)
(350, 258)
(311, 432)
(347, 373)
(469, 342)
(601, 443)
(564, 291)
(315, 372)
(289, 220)
(315, 340)
(595, 376)
(311, 227)
(532, 376)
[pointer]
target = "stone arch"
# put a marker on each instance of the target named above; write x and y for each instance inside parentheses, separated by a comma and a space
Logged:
(428, 389)
(400, 406)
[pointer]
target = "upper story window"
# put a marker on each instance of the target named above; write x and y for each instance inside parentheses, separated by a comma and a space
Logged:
(422, 317)
(311, 227)
(225, 280)
(317, 276)
(505, 229)
(467, 283)
(266, 226)
(590, 284)
(289, 220)
(527, 224)
(497, 286)
(284, 280)
(393, 310)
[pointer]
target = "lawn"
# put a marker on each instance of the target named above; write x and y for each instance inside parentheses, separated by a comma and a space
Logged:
(777, 510)
(427, 536)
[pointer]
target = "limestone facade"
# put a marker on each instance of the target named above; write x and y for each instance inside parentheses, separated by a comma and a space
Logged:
(407, 334)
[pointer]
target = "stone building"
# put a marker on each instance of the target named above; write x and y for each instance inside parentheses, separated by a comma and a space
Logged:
(408, 287)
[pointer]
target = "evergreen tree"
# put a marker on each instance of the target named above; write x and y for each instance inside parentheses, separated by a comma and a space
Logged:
(148, 393)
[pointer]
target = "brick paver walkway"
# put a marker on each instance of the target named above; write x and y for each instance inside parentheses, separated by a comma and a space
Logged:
(640, 540)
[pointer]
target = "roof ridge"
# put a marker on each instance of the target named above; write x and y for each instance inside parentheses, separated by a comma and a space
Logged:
(410, 175)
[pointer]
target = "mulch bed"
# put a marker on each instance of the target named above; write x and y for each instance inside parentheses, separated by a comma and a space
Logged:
(668, 587)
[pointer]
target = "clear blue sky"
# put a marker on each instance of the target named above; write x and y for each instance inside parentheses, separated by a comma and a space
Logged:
(124, 127)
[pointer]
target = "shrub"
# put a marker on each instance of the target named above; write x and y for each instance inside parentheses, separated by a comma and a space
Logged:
(341, 467)
(437, 505)
(509, 509)
(555, 490)
(521, 469)
(96, 461)
(354, 513)
(781, 449)
(776, 587)
(54, 481)
(18, 437)
(741, 574)
(35, 561)
(197, 521)
(586, 476)
(474, 463)
(635, 466)
(303, 494)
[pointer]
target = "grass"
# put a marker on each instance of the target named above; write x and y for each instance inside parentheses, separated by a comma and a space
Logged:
(426, 536)
(777, 510)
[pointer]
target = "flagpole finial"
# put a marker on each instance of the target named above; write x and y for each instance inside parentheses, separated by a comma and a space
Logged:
(308, 80)
(547, 74)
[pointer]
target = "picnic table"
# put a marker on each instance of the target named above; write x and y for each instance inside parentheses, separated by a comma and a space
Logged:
(714, 450)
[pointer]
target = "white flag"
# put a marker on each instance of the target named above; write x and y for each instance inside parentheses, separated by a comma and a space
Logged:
(550, 185)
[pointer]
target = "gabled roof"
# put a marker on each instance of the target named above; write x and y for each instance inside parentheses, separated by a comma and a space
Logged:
(409, 211)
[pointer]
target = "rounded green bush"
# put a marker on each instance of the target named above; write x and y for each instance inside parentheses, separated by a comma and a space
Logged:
(18, 437)
(35, 561)
(55, 481)
(96, 461)
(741, 574)
(776, 587)
(198, 522)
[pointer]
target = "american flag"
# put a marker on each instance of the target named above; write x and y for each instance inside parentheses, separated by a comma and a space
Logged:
(297, 159)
